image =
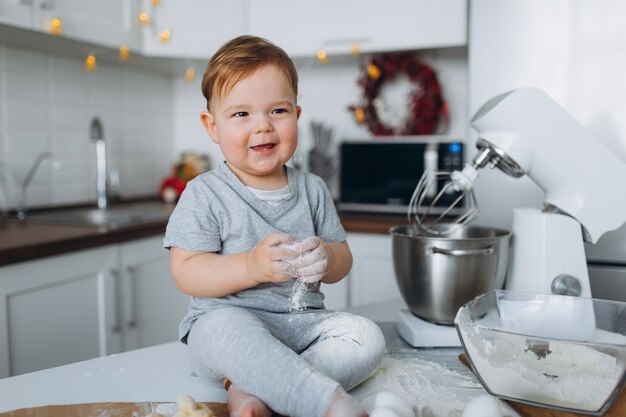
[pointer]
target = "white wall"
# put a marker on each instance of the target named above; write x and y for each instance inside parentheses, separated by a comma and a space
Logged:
(574, 50)
(325, 92)
(46, 104)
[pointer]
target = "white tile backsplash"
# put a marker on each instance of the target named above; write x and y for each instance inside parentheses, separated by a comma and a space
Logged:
(47, 102)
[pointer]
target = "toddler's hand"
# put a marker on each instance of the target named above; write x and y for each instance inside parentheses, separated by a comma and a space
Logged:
(313, 264)
(269, 262)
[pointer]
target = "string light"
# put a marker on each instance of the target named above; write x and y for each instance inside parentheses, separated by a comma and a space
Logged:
(190, 74)
(156, 2)
(124, 53)
(55, 27)
(373, 71)
(144, 19)
(322, 56)
(355, 48)
(359, 115)
(165, 35)
(90, 63)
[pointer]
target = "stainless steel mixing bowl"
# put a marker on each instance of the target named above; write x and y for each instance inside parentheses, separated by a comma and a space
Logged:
(437, 275)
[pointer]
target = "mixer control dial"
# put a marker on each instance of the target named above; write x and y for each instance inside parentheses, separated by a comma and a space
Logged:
(566, 285)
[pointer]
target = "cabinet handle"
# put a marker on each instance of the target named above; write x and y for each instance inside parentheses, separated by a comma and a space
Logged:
(117, 322)
(108, 299)
(131, 321)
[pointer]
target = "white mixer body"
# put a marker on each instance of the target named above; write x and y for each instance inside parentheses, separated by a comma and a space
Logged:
(548, 254)
(577, 172)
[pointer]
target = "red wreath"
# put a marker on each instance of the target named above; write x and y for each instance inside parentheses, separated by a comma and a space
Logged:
(428, 110)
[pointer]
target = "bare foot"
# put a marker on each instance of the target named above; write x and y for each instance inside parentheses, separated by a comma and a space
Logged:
(242, 404)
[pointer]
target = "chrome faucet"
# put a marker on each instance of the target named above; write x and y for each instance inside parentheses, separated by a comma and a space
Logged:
(21, 207)
(97, 135)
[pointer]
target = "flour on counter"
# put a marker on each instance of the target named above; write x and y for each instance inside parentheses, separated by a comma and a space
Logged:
(429, 388)
(563, 374)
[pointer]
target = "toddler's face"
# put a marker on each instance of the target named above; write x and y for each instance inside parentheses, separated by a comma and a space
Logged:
(255, 125)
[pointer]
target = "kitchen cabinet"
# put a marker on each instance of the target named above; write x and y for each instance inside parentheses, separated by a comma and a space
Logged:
(106, 23)
(198, 28)
(303, 27)
(57, 310)
(152, 306)
(336, 295)
(372, 278)
(91, 303)
(16, 13)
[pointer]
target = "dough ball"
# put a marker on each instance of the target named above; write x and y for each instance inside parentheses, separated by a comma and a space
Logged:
(390, 400)
(186, 403)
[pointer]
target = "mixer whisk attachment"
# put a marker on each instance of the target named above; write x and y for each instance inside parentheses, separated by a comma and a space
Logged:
(443, 201)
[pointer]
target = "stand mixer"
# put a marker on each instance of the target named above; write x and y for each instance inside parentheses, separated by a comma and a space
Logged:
(525, 132)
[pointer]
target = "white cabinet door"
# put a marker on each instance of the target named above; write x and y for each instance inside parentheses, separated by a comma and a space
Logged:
(152, 305)
(336, 295)
(57, 310)
(16, 13)
(302, 27)
(109, 23)
(372, 278)
(198, 28)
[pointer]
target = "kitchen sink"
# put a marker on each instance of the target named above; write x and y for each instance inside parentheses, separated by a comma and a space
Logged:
(112, 217)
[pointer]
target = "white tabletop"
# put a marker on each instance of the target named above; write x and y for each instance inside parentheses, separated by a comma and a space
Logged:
(154, 374)
(162, 373)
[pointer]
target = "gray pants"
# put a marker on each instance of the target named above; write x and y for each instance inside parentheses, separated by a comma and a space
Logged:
(293, 362)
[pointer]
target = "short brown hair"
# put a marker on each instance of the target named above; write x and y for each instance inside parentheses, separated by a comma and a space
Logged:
(240, 57)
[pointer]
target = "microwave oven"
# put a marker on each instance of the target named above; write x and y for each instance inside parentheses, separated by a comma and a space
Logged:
(380, 175)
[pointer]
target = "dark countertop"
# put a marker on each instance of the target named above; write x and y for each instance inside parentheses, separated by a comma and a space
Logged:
(24, 241)
(371, 222)
(27, 241)
(32, 239)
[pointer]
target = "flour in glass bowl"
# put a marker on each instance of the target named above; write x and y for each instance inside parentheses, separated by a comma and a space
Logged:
(564, 374)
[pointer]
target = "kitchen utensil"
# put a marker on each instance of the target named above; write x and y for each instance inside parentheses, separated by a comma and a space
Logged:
(425, 206)
(525, 132)
(321, 156)
(517, 358)
(436, 275)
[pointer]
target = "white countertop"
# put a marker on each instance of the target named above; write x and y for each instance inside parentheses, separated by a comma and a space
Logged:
(162, 373)
(156, 374)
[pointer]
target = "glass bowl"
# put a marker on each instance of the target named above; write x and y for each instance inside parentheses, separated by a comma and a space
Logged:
(554, 351)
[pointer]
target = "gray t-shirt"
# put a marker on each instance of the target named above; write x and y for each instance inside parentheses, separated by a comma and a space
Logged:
(217, 213)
